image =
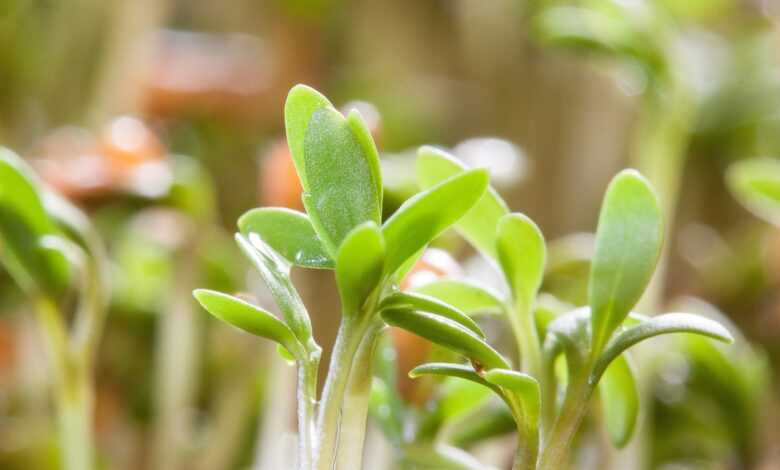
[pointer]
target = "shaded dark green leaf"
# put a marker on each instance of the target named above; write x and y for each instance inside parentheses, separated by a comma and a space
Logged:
(428, 304)
(619, 401)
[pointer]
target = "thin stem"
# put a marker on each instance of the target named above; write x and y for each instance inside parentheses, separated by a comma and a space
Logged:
(307, 419)
(558, 442)
(72, 389)
(527, 452)
(347, 342)
(527, 338)
(353, 422)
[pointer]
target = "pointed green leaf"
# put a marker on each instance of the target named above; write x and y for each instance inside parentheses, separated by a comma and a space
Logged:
(23, 223)
(660, 325)
(756, 185)
(424, 303)
(249, 318)
(366, 141)
(619, 401)
(478, 226)
(466, 296)
(521, 253)
(342, 190)
(275, 271)
(301, 103)
(426, 215)
(446, 333)
(359, 265)
(524, 387)
(289, 233)
(628, 244)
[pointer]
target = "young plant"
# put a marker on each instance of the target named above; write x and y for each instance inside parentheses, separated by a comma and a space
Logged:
(342, 230)
(592, 339)
(53, 254)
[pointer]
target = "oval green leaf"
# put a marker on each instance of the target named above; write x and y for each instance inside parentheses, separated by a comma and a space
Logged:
(359, 266)
(249, 318)
(521, 254)
(466, 296)
(619, 401)
(426, 215)
(628, 244)
(289, 233)
(301, 103)
(478, 225)
(428, 304)
(446, 333)
(342, 190)
(756, 185)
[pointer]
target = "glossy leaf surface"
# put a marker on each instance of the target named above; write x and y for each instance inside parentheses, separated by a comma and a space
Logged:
(628, 244)
(289, 233)
(446, 333)
(426, 215)
(301, 103)
(359, 265)
(428, 304)
(522, 386)
(247, 317)
(478, 225)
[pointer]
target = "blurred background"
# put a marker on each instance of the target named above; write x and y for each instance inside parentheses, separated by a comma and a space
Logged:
(163, 119)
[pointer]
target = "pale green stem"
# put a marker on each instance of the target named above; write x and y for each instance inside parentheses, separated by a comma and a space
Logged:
(527, 338)
(558, 443)
(307, 419)
(527, 452)
(72, 389)
(348, 340)
(353, 421)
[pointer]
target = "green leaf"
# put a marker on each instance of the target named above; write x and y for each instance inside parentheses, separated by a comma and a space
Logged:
(428, 304)
(301, 103)
(342, 190)
(23, 223)
(619, 401)
(447, 369)
(426, 215)
(289, 233)
(524, 387)
(446, 333)
(628, 244)
(359, 265)
(366, 141)
(478, 226)
(466, 296)
(521, 253)
(660, 325)
(275, 271)
(755, 183)
(249, 318)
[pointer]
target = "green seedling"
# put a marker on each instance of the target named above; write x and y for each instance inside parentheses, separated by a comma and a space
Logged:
(593, 339)
(49, 248)
(342, 230)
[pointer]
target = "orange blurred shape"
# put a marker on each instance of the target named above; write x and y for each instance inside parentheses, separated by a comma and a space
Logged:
(411, 349)
(126, 156)
(279, 183)
(7, 348)
(224, 75)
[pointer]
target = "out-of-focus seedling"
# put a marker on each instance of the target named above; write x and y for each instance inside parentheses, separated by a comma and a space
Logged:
(51, 251)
